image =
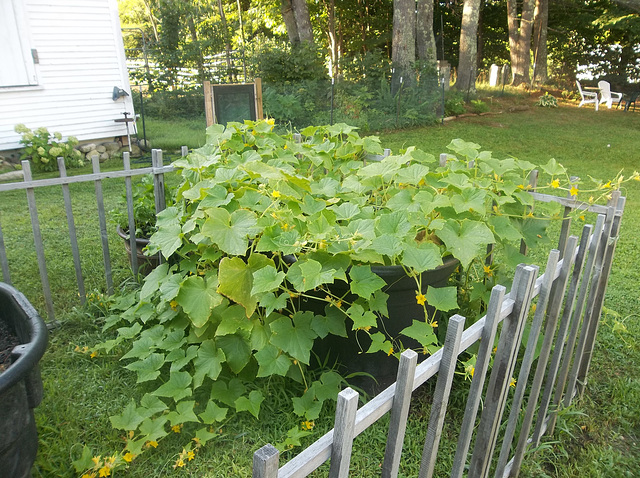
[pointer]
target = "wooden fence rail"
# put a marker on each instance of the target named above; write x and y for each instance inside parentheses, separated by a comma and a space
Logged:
(29, 185)
(570, 295)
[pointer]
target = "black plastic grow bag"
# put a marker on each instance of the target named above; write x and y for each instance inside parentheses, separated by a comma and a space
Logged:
(20, 384)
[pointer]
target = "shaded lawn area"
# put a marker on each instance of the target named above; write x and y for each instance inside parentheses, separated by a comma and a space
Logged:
(600, 436)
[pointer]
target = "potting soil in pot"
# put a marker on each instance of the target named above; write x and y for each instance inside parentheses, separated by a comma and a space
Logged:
(8, 341)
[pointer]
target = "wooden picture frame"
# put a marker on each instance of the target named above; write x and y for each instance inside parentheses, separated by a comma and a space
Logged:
(233, 102)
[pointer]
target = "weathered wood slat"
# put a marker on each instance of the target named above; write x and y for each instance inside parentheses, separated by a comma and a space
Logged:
(37, 239)
(562, 333)
(576, 316)
(4, 262)
(399, 414)
(599, 300)
(343, 435)
(158, 179)
(73, 237)
(104, 237)
(572, 203)
(553, 313)
(126, 161)
(501, 373)
(527, 362)
(477, 382)
(566, 221)
(591, 301)
(265, 462)
(85, 178)
(451, 350)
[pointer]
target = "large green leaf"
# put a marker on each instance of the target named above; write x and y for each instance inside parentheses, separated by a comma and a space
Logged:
(208, 362)
(213, 413)
(307, 275)
(227, 393)
(129, 419)
(152, 281)
(466, 241)
(272, 362)
(236, 282)
(177, 387)
(364, 282)
(183, 413)
(230, 232)
(332, 322)
(294, 336)
(233, 320)
(266, 279)
(424, 257)
(148, 368)
(362, 319)
(469, 200)
(168, 238)
(236, 350)
(443, 298)
(153, 429)
(197, 297)
(251, 403)
(422, 332)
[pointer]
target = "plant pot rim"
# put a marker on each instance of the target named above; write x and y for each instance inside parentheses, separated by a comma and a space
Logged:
(124, 235)
(31, 352)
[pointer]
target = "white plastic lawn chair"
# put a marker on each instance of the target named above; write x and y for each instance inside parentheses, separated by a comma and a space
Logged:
(606, 95)
(587, 96)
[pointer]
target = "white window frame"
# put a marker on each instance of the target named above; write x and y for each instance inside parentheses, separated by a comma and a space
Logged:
(17, 62)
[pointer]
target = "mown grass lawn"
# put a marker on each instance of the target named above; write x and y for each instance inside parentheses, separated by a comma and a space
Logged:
(599, 436)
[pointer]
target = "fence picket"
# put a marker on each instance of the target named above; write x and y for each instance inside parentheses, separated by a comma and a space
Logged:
(477, 382)
(73, 237)
(95, 162)
(4, 263)
(344, 432)
(610, 245)
(504, 363)
(562, 333)
(265, 462)
(37, 239)
(553, 312)
(399, 414)
(527, 360)
(576, 317)
(451, 349)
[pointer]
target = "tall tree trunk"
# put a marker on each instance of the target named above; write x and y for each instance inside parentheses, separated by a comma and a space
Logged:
(303, 20)
(295, 14)
(468, 61)
(290, 22)
(541, 19)
(152, 19)
(404, 41)
(520, 40)
(425, 38)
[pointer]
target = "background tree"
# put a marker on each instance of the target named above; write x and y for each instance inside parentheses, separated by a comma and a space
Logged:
(295, 14)
(468, 62)
(520, 39)
(540, 23)
(404, 41)
(425, 38)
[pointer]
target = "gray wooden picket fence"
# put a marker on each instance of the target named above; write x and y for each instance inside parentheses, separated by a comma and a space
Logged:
(158, 171)
(570, 296)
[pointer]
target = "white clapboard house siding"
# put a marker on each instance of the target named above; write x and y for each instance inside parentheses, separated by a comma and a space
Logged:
(80, 59)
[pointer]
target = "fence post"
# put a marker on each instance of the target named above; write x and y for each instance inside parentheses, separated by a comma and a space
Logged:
(450, 351)
(265, 462)
(343, 434)
(399, 414)
(95, 162)
(158, 180)
(37, 239)
(503, 366)
(75, 251)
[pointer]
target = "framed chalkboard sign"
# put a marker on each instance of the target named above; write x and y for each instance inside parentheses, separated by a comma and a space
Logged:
(233, 102)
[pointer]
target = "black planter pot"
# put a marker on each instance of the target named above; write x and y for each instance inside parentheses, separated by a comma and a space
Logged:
(20, 384)
(145, 263)
(348, 351)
